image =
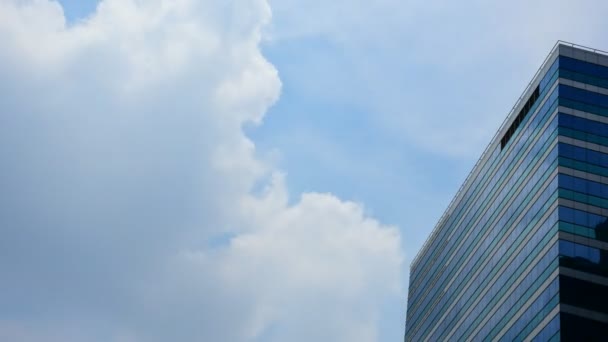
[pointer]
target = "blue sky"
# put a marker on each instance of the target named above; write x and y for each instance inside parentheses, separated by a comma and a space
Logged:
(245, 170)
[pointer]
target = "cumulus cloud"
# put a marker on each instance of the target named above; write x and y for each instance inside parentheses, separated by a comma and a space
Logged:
(128, 210)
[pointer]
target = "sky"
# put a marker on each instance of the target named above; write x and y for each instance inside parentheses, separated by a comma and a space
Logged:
(251, 170)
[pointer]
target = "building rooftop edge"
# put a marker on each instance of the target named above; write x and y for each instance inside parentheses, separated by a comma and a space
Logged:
(506, 121)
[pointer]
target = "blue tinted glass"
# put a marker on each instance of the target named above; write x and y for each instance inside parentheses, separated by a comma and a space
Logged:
(565, 181)
(576, 250)
(595, 220)
(582, 154)
(594, 255)
(566, 214)
(594, 188)
(582, 67)
(566, 248)
(580, 217)
(581, 95)
(580, 251)
(579, 184)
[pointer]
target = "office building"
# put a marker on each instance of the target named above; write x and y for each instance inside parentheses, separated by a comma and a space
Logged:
(522, 251)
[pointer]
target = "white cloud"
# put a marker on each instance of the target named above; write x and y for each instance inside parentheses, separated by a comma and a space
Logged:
(126, 210)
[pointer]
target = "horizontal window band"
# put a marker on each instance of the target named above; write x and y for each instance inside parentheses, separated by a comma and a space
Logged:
(548, 210)
(550, 171)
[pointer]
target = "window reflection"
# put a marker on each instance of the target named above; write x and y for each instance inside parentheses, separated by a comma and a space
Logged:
(582, 257)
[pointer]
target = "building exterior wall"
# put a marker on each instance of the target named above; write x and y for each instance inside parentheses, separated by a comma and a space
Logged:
(526, 231)
(583, 195)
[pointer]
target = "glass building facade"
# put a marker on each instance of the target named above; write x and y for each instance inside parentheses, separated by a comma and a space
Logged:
(522, 251)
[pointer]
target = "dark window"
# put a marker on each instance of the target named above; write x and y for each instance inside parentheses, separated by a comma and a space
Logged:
(583, 294)
(520, 118)
(575, 328)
